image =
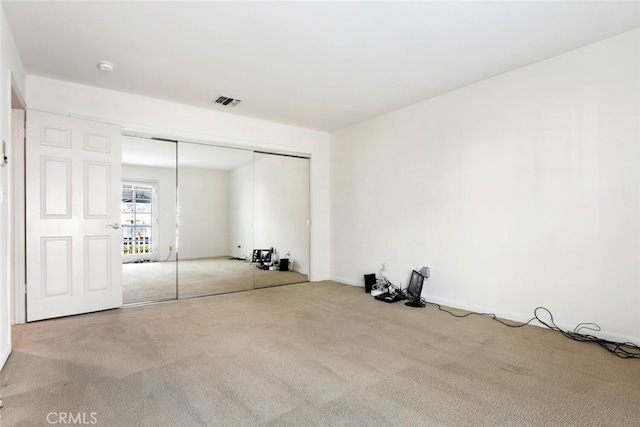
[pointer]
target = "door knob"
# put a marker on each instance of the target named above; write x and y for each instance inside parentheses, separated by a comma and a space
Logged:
(115, 225)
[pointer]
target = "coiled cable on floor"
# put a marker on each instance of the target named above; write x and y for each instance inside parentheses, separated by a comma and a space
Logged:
(625, 350)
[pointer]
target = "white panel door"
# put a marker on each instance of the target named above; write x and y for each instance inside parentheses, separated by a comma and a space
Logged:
(73, 170)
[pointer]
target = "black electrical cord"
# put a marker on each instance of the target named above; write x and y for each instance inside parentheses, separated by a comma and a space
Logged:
(624, 350)
(493, 316)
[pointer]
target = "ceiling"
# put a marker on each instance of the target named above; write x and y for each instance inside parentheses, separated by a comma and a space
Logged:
(319, 65)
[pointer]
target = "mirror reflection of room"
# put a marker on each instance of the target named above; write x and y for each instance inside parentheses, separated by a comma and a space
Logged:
(281, 198)
(148, 215)
(234, 204)
(210, 209)
(200, 219)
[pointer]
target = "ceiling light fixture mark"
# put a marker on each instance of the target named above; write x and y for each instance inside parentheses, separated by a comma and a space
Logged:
(106, 66)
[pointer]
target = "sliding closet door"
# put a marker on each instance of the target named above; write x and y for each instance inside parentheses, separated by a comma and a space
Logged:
(215, 213)
(282, 218)
(148, 225)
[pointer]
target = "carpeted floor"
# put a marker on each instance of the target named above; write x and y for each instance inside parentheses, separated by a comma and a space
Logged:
(156, 281)
(309, 354)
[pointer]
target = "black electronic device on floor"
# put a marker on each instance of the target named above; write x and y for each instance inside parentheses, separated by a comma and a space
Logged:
(261, 256)
(369, 281)
(390, 297)
(414, 290)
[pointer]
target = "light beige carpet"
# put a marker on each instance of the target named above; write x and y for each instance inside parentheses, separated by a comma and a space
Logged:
(310, 354)
(156, 281)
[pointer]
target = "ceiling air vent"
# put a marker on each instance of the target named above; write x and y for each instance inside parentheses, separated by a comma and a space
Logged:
(225, 100)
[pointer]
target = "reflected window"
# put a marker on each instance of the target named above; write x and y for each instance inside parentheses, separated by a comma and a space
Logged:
(138, 217)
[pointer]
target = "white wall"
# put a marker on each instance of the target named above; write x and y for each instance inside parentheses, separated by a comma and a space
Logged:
(203, 213)
(188, 123)
(518, 191)
(165, 182)
(11, 69)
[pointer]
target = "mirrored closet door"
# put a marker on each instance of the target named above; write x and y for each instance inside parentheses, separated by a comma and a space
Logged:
(148, 220)
(215, 230)
(281, 200)
(199, 219)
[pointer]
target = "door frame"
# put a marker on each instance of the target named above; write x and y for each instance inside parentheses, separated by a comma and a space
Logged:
(17, 258)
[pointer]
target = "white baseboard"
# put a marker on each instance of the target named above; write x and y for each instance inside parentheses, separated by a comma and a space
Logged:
(346, 281)
(197, 257)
